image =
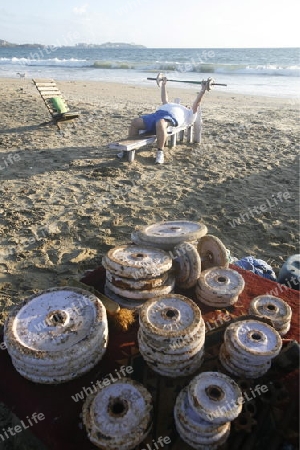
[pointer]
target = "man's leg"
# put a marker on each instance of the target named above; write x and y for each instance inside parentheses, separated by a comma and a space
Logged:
(135, 126)
(161, 135)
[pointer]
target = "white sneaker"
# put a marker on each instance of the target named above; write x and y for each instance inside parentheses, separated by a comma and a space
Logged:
(120, 155)
(159, 157)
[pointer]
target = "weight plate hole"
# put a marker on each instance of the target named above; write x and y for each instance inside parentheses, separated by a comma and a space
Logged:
(56, 318)
(170, 313)
(117, 407)
(138, 255)
(222, 279)
(215, 393)
(256, 336)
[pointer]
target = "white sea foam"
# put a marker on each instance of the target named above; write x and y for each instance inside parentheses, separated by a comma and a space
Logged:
(270, 70)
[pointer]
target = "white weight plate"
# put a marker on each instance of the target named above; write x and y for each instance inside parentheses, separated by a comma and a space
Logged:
(170, 316)
(119, 415)
(256, 338)
(57, 378)
(200, 439)
(172, 232)
(123, 302)
(166, 288)
(221, 282)
(182, 268)
(242, 363)
(214, 303)
(65, 363)
(230, 368)
(60, 359)
(133, 261)
(190, 420)
(187, 278)
(55, 320)
(284, 329)
(176, 346)
(168, 359)
(136, 239)
(271, 307)
(212, 252)
(174, 372)
(192, 427)
(212, 394)
(248, 360)
(141, 284)
(245, 373)
(219, 299)
(186, 437)
(50, 335)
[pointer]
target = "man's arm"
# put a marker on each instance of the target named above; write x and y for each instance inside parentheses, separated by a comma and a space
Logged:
(164, 94)
(199, 97)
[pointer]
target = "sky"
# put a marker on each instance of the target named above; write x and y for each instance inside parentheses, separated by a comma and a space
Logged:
(155, 23)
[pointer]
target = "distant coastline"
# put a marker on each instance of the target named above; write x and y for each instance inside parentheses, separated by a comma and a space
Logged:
(6, 44)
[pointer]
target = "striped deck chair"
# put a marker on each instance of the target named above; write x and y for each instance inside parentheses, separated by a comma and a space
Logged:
(54, 101)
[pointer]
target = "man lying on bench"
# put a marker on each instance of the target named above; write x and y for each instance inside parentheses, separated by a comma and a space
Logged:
(168, 114)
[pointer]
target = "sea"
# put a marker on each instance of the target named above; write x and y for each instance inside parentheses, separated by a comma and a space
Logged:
(271, 72)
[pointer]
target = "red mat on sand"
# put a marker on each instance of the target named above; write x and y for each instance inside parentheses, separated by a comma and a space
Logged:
(62, 427)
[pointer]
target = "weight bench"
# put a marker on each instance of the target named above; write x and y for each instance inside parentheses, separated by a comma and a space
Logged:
(129, 145)
(55, 102)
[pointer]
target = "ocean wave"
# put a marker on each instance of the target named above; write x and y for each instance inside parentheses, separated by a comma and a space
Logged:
(270, 70)
(156, 66)
(112, 65)
(72, 62)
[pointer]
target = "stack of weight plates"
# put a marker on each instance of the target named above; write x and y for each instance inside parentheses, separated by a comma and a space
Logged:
(57, 335)
(136, 273)
(171, 335)
(119, 416)
(219, 287)
(166, 235)
(187, 264)
(248, 348)
(273, 308)
(205, 408)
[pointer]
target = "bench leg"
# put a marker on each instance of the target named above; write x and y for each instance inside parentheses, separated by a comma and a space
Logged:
(181, 135)
(190, 132)
(173, 140)
(130, 155)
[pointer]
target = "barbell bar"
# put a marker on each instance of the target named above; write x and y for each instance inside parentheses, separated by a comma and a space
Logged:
(210, 81)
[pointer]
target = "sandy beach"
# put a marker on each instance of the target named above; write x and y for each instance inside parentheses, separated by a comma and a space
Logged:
(66, 198)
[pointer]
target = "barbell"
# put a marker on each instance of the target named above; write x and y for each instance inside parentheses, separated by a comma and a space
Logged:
(209, 82)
